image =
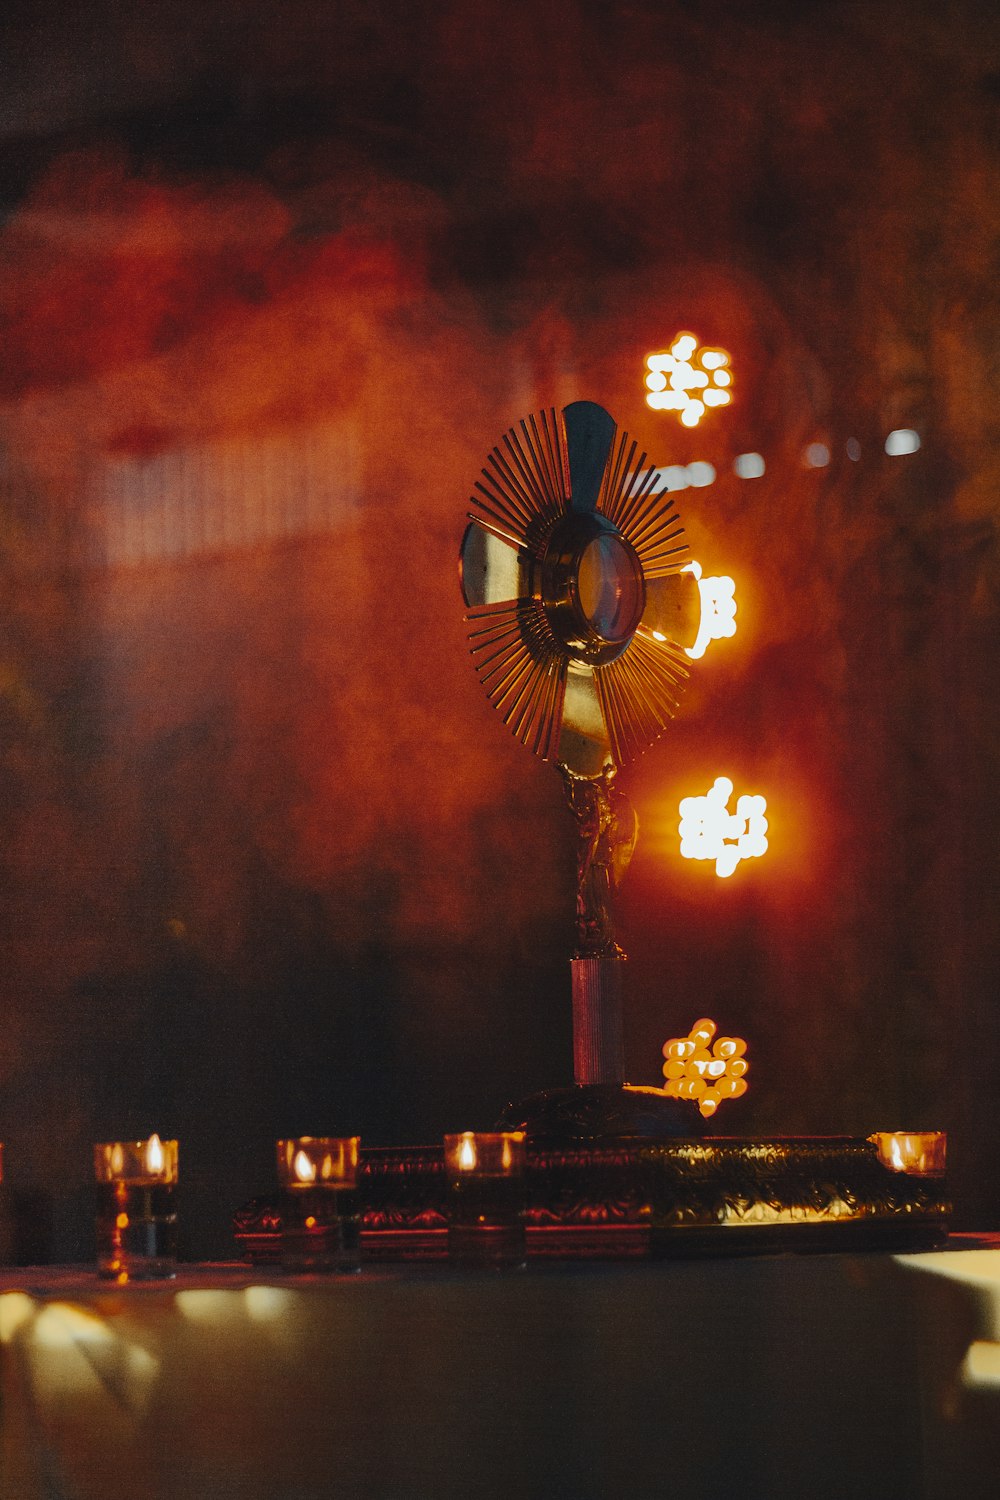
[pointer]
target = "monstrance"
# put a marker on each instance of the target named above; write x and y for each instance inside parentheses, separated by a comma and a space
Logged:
(579, 610)
(579, 617)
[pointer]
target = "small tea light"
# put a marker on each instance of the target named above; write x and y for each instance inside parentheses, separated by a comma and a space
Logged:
(320, 1203)
(485, 1174)
(136, 1208)
(921, 1153)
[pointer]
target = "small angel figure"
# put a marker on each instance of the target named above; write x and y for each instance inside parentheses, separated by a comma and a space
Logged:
(608, 828)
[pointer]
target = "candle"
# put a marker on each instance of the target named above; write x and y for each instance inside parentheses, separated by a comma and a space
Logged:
(320, 1204)
(918, 1152)
(136, 1208)
(485, 1174)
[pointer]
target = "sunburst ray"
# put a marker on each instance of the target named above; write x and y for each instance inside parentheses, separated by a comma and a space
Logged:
(639, 693)
(522, 669)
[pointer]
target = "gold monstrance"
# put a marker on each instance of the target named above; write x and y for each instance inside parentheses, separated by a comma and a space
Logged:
(579, 615)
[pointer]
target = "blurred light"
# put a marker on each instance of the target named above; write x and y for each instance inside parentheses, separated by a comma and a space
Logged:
(708, 830)
(700, 473)
(981, 1365)
(686, 368)
(749, 465)
(15, 1310)
(689, 1066)
(266, 1302)
(205, 1304)
(817, 455)
(902, 440)
(60, 1325)
(718, 610)
(853, 449)
(675, 477)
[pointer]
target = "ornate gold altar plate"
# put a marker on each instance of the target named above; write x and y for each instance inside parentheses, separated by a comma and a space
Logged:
(641, 1198)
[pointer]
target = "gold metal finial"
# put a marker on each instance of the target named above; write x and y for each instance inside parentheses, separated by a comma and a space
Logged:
(607, 829)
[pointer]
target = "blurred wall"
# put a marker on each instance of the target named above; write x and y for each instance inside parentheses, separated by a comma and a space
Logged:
(273, 280)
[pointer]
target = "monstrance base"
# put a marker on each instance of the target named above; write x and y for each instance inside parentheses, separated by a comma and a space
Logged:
(603, 1111)
(637, 1198)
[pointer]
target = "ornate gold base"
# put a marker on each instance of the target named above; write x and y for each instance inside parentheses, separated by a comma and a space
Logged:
(596, 1112)
(637, 1198)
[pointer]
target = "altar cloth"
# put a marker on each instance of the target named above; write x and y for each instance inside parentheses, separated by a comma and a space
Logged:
(820, 1376)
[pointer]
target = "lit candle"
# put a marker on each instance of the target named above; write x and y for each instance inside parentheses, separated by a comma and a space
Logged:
(136, 1208)
(921, 1153)
(485, 1175)
(320, 1204)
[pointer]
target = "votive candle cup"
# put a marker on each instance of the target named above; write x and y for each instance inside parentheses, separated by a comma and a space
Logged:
(320, 1203)
(136, 1209)
(485, 1176)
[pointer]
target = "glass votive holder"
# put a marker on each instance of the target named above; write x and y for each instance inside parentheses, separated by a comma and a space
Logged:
(320, 1203)
(136, 1209)
(921, 1153)
(485, 1175)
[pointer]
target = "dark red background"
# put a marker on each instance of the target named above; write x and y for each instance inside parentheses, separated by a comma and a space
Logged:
(273, 279)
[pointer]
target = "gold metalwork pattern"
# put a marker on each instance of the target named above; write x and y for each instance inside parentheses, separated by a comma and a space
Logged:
(578, 605)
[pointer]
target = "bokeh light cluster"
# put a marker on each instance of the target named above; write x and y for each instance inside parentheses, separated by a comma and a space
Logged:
(688, 380)
(692, 1072)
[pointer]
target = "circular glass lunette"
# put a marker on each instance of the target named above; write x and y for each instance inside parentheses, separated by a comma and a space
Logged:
(609, 588)
(591, 584)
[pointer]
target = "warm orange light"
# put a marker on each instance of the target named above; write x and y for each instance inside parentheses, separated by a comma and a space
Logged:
(310, 1221)
(121, 1222)
(154, 1156)
(692, 1072)
(921, 1153)
(303, 1168)
(718, 610)
(133, 1162)
(675, 376)
(467, 1155)
(708, 830)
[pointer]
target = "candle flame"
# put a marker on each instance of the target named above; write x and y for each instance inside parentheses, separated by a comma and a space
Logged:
(117, 1162)
(467, 1154)
(921, 1153)
(304, 1169)
(154, 1155)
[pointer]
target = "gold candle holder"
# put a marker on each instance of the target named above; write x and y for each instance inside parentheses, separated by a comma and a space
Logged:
(921, 1153)
(485, 1174)
(136, 1208)
(320, 1203)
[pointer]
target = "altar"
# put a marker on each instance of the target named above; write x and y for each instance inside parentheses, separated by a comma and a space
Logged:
(818, 1375)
